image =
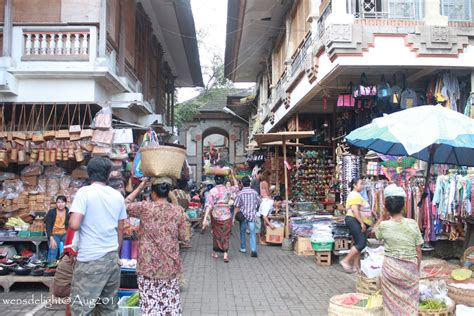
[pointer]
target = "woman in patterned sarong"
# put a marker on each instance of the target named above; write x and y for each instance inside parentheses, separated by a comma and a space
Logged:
(221, 217)
(401, 266)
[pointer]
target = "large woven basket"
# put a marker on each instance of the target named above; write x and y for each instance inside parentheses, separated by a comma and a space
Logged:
(436, 312)
(162, 161)
(336, 308)
(461, 296)
(467, 252)
(367, 285)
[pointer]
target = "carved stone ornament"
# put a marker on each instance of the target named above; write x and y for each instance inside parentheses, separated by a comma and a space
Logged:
(287, 100)
(272, 118)
(339, 33)
(439, 34)
(311, 67)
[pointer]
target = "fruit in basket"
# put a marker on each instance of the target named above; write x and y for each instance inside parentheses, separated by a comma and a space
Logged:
(432, 304)
(461, 274)
(374, 300)
(133, 300)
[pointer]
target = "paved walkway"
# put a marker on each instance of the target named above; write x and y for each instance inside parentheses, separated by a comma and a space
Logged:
(275, 283)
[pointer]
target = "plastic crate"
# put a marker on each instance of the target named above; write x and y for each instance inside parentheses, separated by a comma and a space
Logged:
(125, 310)
(23, 234)
(126, 292)
(322, 246)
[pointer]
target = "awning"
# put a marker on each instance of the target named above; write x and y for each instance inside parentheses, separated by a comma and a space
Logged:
(281, 136)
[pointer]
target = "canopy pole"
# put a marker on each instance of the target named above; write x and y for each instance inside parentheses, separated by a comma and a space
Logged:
(428, 169)
(277, 158)
(287, 232)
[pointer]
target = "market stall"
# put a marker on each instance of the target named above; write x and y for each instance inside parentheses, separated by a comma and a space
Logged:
(284, 137)
(44, 149)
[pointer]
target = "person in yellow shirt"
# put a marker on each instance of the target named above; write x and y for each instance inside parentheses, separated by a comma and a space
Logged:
(56, 222)
(358, 220)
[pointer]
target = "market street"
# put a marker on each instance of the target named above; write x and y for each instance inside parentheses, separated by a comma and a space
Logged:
(275, 283)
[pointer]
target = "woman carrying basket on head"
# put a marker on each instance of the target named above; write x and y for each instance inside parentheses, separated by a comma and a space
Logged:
(401, 266)
(221, 216)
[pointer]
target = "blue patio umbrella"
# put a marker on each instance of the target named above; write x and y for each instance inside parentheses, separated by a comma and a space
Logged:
(431, 133)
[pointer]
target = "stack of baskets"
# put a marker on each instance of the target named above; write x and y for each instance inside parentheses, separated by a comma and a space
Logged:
(367, 285)
(461, 295)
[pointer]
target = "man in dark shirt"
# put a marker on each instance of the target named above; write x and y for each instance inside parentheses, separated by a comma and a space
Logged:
(255, 184)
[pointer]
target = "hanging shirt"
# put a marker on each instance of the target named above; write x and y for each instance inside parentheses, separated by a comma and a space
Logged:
(408, 99)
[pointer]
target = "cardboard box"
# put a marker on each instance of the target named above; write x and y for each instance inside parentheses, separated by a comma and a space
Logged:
(275, 236)
(303, 247)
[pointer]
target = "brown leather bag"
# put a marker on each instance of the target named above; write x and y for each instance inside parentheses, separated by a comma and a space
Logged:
(63, 277)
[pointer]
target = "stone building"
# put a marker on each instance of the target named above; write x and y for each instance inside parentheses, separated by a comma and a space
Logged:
(303, 54)
(129, 53)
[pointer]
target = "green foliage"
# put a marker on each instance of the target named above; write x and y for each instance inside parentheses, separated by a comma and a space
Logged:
(186, 111)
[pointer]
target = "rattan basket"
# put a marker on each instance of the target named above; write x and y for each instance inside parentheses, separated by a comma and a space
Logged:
(162, 161)
(435, 312)
(467, 252)
(367, 285)
(336, 308)
(461, 296)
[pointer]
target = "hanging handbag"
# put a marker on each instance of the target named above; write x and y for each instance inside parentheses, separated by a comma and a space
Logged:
(87, 133)
(240, 217)
(63, 133)
(75, 130)
(50, 133)
(346, 99)
(364, 90)
(103, 137)
(383, 89)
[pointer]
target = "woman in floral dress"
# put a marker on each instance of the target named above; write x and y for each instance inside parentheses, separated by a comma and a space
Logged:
(221, 216)
(162, 226)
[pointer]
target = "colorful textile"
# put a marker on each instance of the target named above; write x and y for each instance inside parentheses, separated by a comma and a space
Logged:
(162, 225)
(159, 297)
(355, 198)
(221, 234)
(399, 280)
(401, 237)
(218, 200)
(247, 201)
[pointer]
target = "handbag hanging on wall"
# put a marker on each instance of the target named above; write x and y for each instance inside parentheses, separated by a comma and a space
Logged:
(364, 90)
(346, 99)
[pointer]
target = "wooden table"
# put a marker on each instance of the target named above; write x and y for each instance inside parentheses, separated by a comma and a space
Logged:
(35, 240)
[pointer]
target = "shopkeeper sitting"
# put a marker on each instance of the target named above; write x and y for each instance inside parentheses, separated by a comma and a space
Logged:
(56, 222)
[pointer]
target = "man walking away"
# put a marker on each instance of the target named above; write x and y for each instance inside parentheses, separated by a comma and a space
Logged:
(255, 184)
(247, 202)
(97, 212)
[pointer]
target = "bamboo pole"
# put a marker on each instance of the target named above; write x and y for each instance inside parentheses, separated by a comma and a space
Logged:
(287, 232)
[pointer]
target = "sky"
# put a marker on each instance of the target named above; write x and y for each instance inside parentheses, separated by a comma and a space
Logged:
(210, 18)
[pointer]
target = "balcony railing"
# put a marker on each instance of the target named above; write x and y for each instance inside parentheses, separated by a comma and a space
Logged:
(387, 9)
(56, 45)
(301, 53)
